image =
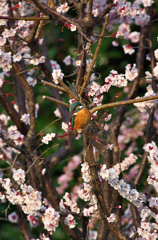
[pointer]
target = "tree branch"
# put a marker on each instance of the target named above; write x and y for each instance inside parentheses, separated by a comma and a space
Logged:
(89, 13)
(127, 102)
(107, 10)
(30, 98)
(23, 224)
(8, 106)
(103, 230)
(118, 234)
(41, 7)
(149, 126)
(26, 18)
(19, 92)
(95, 56)
(53, 85)
(117, 199)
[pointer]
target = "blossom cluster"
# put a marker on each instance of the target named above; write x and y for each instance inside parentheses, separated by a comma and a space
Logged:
(85, 172)
(77, 63)
(131, 130)
(65, 126)
(114, 79)
(68, 203)
(63, 8)
(143, 106)
(149, 218)
(50, 219)
(30, 200)
(148, 229)
(121, 186)
(5, 62)
(152, 149)
(57, 74)
(49, 137)
(70, 221)
(4, 8)
(23, 51)
(11, 133)
(124, 165)
(95, 93)
(86, 193)
(64, 207)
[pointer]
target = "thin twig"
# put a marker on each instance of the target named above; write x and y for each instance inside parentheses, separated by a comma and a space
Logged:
(13, 164)
(12, 144)
(4, 169)
(68, 90)
(56, 101)
(70, 21)
(40, 157)
(6, 158)
(48, 126)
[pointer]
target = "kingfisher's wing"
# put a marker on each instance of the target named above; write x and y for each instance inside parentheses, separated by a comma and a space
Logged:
(72, 121)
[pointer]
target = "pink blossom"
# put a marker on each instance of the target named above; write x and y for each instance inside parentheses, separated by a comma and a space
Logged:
(69, 220)
(13, 217)
(57, 74)
(19, 175)
(156, 54)
(115, 43)
(131, 72)
(86, 212)
(73, 28)
(67, 60)
(111, 218)
(134, 36)
(128, 49)
(124, 30)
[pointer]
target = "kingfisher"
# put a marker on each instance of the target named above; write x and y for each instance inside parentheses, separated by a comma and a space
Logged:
(80, 117)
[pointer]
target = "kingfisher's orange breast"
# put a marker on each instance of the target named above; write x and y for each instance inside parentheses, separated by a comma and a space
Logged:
(82, 119)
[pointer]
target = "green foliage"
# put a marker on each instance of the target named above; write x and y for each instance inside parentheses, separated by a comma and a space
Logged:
(10, 231)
